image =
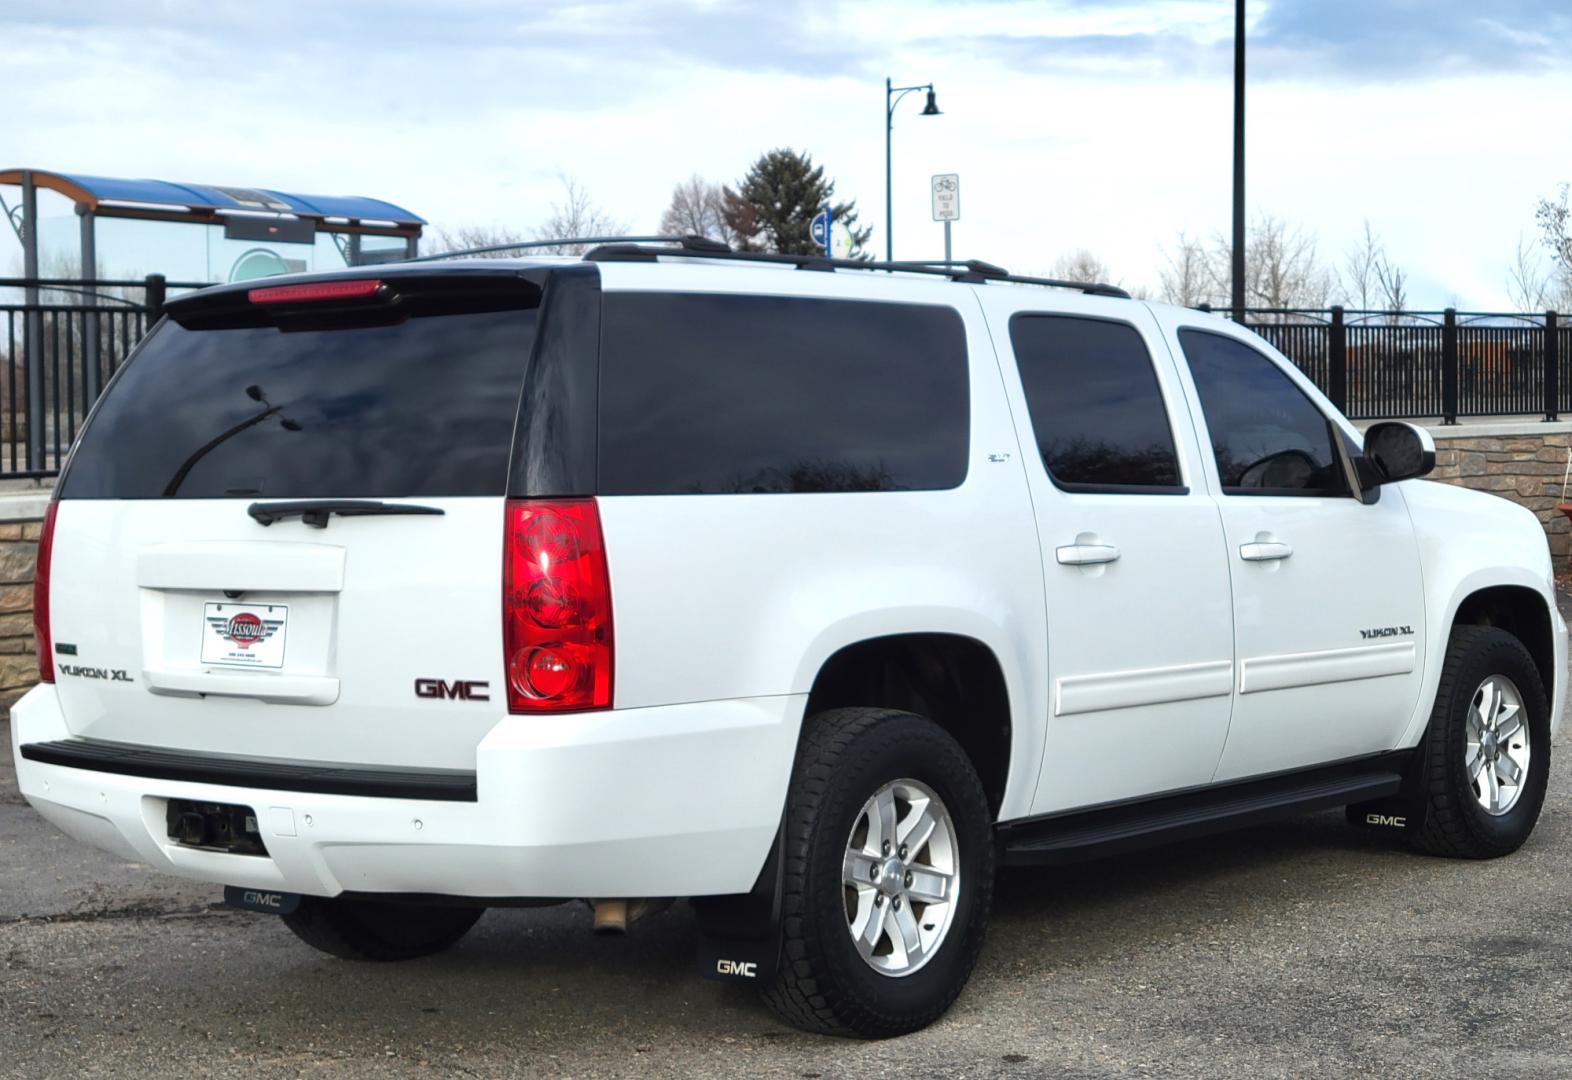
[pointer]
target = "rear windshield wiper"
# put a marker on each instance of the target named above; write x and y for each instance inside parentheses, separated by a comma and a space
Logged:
(315, 512)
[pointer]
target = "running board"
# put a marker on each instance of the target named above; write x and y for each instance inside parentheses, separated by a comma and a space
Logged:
(1107, 830)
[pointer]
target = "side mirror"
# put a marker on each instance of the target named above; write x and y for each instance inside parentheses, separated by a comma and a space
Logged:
(1395, 451)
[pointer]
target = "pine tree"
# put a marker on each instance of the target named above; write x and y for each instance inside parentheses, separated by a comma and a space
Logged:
(773, 207)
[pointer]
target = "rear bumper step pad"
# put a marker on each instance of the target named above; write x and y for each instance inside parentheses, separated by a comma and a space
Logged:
(321, 778)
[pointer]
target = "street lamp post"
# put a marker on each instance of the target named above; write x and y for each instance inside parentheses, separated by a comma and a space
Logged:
(1238, 273)
(930, 109)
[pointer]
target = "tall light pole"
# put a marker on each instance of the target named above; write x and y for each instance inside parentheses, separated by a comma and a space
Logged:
(1239, 162)
(930, 109)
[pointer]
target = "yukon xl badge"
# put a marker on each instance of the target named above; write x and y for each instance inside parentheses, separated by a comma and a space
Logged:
(245, 629)
(107, 674)
(1387, 631)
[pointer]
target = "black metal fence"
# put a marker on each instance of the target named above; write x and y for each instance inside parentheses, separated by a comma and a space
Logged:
(1428, 365)
(60, 341)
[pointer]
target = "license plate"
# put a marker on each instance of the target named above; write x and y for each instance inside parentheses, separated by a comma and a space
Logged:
(244, 635)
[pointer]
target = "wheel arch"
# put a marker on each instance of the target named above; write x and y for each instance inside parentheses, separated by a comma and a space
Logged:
(1522, 612)
(953, 679)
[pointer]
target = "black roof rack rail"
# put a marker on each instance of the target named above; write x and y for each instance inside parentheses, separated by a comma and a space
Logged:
(686, 243)
(974, 271)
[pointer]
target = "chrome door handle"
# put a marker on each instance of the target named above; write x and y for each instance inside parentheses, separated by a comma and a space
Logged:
(1086, 554)
(1264, 551)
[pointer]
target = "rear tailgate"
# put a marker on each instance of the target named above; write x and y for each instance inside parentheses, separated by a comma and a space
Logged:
(181, 620)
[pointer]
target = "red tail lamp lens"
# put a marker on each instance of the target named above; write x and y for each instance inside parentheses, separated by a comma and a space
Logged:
(315, 292)
(556, 607)
(43, 640)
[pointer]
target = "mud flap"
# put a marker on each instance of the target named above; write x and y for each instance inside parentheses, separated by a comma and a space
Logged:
(740, 936)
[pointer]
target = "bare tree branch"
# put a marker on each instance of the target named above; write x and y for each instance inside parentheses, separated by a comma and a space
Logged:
(576, 215)
(1186, 280)
(698, 208)
(1528, 282)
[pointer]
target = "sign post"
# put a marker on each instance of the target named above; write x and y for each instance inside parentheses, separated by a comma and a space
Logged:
(947, 204)
(819, 230)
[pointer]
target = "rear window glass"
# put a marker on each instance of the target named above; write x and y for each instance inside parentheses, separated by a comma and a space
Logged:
(1095, 404)
(425, 407)
(716, 393)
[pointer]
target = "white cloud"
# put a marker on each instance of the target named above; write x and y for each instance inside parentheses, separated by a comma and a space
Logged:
(1072, 124)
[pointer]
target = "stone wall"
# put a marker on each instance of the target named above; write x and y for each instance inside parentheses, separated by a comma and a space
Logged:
(1526, 467)
(18, 664)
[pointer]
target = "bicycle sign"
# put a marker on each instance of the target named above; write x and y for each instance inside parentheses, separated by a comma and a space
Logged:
(947, 197)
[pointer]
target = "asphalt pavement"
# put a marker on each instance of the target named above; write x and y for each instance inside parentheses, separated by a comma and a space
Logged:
(1303, 949)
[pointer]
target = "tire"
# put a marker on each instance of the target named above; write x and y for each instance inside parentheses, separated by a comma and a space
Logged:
(369, 930)
(823, 983)
(1453, 818)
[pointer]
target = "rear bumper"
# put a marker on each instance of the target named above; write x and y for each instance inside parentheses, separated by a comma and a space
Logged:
(670, 801)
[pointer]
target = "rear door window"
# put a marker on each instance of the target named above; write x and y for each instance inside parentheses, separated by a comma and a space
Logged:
(422, 408)
(719, 393)
(1096, 407)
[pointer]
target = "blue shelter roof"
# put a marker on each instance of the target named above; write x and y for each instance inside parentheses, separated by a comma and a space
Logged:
(108, 195)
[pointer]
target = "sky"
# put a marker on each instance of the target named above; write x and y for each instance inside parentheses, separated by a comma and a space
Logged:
(1096, 124)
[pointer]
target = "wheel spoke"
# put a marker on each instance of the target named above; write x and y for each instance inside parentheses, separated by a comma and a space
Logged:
(858, 869)
(917, 828)
(1509, 724)
(1476, 763)
(1476, 723)
(928, 886)
(1492, 790)
(905, 934)
(1507, 769)
(882, 821)
(870, 928)
(1487, 706)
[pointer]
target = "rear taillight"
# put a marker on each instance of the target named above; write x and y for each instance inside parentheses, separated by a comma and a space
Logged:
(556, 606)
(41, 637)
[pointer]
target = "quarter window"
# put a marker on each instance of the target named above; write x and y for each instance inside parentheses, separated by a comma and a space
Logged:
(716, 393)
(1267, 436)
(1095, 404)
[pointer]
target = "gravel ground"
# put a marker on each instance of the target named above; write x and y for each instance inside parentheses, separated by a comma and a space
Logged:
(1306, 949)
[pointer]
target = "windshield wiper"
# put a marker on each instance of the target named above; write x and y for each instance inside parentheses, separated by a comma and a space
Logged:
(315, 512)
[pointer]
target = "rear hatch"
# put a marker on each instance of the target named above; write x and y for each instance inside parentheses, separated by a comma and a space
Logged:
(193, 607)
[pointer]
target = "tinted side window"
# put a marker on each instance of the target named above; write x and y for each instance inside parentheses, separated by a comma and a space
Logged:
(1267, 436)
(715, 393)
(1096, 407)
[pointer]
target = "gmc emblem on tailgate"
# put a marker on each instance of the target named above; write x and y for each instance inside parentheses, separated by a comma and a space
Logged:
(459, 689)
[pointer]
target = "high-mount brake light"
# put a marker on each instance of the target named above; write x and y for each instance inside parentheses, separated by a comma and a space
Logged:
(556, 607)
(43, 640)
(315, 292)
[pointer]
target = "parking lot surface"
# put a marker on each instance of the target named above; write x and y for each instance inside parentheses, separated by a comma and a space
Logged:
(1303, 949)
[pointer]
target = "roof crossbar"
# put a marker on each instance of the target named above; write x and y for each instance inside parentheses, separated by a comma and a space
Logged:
(973, 271)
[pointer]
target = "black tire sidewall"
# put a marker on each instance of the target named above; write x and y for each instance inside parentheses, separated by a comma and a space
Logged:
(901, 747)
(1497, 654)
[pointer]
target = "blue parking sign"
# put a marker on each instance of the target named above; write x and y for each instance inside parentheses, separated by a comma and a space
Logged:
(820, 229)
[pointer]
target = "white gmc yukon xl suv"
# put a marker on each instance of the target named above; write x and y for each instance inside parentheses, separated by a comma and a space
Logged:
(386, 596)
